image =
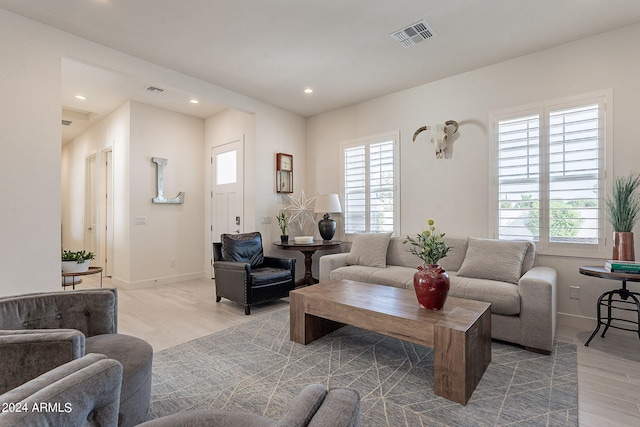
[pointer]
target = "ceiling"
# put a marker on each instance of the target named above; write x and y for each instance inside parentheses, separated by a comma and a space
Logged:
(343, 49)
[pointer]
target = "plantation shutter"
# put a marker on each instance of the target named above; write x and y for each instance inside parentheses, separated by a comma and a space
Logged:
(519, 177)
(550, 174)
(355, 189)
(370, 187)
(574, 179)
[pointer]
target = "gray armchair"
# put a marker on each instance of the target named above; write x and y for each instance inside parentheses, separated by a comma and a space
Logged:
(86, 392)
(244, 275)
(82, 392)
(315, 406)
(39, 332)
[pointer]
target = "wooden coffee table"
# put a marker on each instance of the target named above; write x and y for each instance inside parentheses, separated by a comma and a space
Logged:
(460, 334)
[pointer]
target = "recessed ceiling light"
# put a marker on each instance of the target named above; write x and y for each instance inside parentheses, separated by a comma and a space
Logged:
(308, 91)
(194, 101)
(81, 97)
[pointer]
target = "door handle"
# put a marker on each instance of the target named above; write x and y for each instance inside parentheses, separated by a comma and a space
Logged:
(237, 231)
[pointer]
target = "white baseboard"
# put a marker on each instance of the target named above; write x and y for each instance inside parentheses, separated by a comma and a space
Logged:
(141, 284)
(575, 321)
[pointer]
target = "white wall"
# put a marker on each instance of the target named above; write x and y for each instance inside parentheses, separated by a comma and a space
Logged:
(172, 231)
(29, 141)
(455, 191)
(277, 139)
(30, 155)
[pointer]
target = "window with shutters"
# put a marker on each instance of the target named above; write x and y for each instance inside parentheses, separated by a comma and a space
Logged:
(551, 175)
(370, 185)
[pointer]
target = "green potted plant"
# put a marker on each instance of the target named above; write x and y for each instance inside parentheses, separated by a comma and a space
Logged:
(623, 206)
(430, 282)
(283, 221)
(76, 261)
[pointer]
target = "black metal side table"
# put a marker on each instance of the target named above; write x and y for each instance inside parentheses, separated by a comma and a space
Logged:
(617, 299)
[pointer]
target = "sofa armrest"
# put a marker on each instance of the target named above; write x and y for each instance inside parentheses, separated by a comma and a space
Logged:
(303, 406)
(82, 391)
(341, 407)
(330, 262)
(231, 266)
(319, 407)
(538, 307)
(232, 279)
(25, 354)
(286, 263)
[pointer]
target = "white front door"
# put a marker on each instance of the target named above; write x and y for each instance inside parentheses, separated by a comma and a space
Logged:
(227, 183)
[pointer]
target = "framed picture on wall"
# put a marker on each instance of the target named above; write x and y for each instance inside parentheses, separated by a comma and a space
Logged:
(284, 173)
(284, 181)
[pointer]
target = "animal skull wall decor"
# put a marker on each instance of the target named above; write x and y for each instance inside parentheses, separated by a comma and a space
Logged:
(440, 134)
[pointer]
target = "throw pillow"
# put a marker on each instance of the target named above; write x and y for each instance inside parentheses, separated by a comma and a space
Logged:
(369, 250)
(243, 248)
(494, 260)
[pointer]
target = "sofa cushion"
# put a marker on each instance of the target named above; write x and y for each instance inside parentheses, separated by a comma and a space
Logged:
(245, 247)
(398, 253)
(398, 277)
(369, 249)
(503, 296)
(494, 260)
(266, 275)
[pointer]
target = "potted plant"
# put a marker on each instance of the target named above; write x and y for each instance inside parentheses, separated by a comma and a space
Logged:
(76, 262)
(282, 223)
(623, 206)
(431, 282)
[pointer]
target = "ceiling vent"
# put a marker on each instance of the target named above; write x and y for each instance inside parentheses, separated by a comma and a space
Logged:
(154, 89)
(413, 34)
(66, 122)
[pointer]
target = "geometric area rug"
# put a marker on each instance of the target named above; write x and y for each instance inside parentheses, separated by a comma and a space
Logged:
(254, 367)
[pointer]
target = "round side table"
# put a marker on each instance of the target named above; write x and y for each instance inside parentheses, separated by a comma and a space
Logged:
(73, 283)
(308, 249)
(617, 299)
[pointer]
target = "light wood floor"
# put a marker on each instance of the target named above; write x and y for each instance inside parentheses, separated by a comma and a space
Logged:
(608, 370)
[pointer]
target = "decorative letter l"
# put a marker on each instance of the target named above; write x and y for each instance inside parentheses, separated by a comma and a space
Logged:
(160, 163)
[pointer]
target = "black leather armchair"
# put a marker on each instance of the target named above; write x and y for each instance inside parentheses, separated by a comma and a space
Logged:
(244, 275)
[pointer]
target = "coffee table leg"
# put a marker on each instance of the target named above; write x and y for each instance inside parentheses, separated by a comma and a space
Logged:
(460, 359)
(304, 327)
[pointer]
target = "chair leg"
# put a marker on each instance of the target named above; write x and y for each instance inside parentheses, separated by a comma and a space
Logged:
(218, 298)
(247, 310)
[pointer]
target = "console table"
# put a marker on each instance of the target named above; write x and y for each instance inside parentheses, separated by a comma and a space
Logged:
(92, 270)
(617, 299)
(308, 249)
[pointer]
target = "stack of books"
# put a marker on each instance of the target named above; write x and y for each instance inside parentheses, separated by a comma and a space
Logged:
(622, 266)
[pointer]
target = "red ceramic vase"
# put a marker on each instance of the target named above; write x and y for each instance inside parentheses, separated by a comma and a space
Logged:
(431, 283)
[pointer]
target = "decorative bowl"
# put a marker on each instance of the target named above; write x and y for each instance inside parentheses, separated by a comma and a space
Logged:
(303, 239)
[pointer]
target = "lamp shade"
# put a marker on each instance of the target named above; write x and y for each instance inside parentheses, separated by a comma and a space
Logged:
(326, 203)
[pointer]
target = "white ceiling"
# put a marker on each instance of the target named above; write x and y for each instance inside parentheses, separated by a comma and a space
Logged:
(272, 50)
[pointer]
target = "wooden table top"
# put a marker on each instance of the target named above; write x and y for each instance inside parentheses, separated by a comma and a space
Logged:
(315, 245)
(457, 313)
(603, 273)
(92, 270)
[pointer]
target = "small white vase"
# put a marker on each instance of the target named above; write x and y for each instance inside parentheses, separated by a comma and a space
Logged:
(74, 267)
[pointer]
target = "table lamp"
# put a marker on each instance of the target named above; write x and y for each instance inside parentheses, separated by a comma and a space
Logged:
(327, 203)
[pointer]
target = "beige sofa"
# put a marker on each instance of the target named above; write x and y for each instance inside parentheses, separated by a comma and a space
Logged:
(503, 273)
